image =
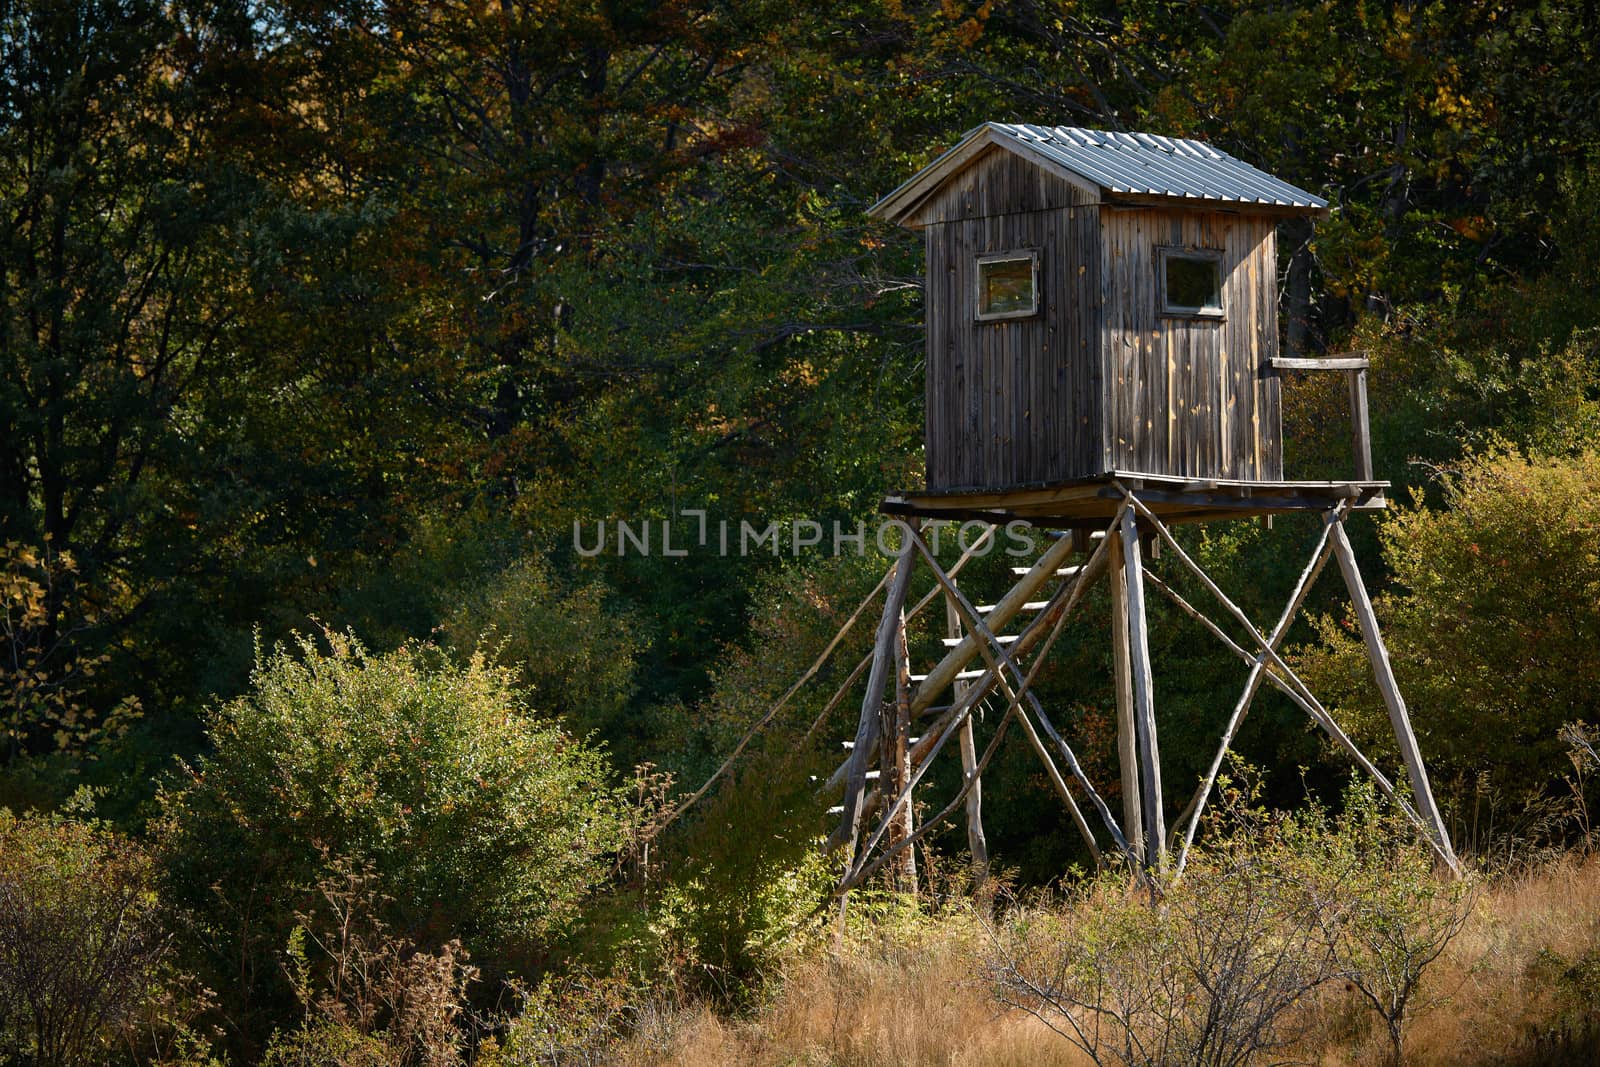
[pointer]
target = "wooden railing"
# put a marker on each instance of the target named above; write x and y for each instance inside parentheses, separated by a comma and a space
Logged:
(1354, 364)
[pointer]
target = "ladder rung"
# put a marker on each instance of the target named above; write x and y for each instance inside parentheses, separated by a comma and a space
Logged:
(1064, 572)
(952, 642)
(872, 776)
(1098, 535)
(962, 676)
(1032, 605)
(849, 746)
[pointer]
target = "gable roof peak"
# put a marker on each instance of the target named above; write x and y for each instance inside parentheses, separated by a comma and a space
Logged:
(1120, 165)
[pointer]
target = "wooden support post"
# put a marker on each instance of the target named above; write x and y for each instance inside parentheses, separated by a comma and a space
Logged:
(1359, 423)
(1002, 658)
(1290, 685)
(977, 844)
(872, 701)
(1399, 718)
(837, 779)
(1155, 830)
(905, 822)
(1127, 732)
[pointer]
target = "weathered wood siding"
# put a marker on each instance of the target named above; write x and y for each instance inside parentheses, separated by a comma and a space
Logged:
(1193, 397)
(1013, 402)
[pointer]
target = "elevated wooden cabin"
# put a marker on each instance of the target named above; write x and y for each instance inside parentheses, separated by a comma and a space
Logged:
(1098, 305)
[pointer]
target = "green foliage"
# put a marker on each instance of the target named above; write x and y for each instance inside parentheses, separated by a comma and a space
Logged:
(743, 871)
(1493, 625)
(570, 1022)
(44, 676)
(477, 819)
(573, 647)
(82, 941)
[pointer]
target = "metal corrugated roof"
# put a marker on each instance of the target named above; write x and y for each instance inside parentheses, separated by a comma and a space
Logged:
(1120, 164)
(1143, 164)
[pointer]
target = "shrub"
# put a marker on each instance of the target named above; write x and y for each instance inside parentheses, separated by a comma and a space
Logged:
(574, 648)
(1271, 908)
(81, 939)
(476, 819)
(576, 1021)
(1493, 622)
(1370, 883)
(1207, 977)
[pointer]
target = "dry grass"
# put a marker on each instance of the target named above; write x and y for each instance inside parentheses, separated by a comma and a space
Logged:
(910, 993)
(1497, 993)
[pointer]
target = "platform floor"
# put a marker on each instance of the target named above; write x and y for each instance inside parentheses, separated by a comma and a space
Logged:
(1093, 501)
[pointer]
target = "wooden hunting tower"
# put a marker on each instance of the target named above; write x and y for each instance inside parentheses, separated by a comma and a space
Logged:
(1102, 360)
(1097, 302)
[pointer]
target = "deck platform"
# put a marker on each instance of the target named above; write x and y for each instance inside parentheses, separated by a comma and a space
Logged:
(1093, 501)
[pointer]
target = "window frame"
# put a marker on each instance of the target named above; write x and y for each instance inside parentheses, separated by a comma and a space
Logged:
(1032, 256)
(1167, 309)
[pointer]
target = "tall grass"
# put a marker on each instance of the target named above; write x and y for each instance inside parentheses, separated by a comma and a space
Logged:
(1519, 985)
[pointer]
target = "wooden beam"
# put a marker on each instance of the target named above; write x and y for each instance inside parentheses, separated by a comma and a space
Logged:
(872, 701)
(1048, 624)
(977, 844)
(1399, 718)
(1291, 686)
(838, 776)
(1221, 501)
(995, 654)
(1290, 682)
(905, 824)
(772, 712)
(1127, 745)
(1360, 431)
(1331, 363)
(1155, 829)
(865, 870)
(954, 661)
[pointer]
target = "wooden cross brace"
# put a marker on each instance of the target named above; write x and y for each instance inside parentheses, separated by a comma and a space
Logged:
(1142, 836)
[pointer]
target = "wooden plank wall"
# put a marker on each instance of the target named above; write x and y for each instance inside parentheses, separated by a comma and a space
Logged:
(1189, 396)
(1015, 402)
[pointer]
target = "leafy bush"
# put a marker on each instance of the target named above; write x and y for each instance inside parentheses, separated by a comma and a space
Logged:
(81, 939)
(1370, 883)
(576, 1021)
(1493, 623)
(477, 820)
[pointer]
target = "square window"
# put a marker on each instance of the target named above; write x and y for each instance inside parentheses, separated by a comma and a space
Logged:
(1191, 282)
(1008, 286)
